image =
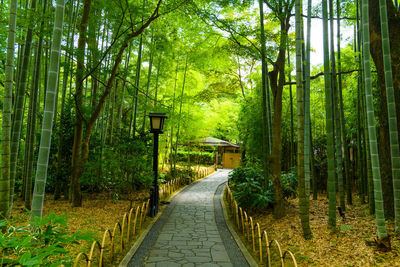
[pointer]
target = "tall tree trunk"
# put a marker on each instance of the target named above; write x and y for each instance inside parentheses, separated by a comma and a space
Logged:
(264, 98)
(171, 153)
(151, 51)
(6, 121)
(329, 122)
(292, 154)
(137, 84)
(49, 109)
(19, 104)
(373, 145)
(304, 203)
(75, 191)
(31, 128)
(180, 111)
(157, 76)
(393, 15)
(307, 118)
(338, 140)
(391, 108)
(137, 78)
(346, 158)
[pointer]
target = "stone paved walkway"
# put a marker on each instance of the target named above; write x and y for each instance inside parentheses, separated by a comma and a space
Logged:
(187, 233)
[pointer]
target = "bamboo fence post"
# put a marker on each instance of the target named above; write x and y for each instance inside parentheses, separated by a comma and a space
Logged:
(129, 226)
(103, 242)
(242, 219)
(89, 261)
(113, 239)
(291, 256)
(252, 234)
(247, 226)
(147, 208)
(124, 218)
(268, 250)
(279, 249)
(237, 214)
(76, 261)
(259, 241)
(141, 215)
(136, 216)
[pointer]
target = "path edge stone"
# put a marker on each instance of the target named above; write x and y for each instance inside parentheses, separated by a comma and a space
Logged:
(250, 260)
(128, 256)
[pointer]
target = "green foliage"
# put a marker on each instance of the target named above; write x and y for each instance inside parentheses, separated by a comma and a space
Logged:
(124, 166)
(346, 228)
(249, 188)
(186, 174)
(45, 242)
(250, 133)
(198, 157)
(289, 183)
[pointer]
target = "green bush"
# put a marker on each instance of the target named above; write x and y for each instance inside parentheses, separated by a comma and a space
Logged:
(44, 242)
(249, 188)
(289, 183)
(119, 168)
(205, 158)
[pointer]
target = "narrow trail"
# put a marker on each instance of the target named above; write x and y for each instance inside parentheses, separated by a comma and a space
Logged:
(191, 231)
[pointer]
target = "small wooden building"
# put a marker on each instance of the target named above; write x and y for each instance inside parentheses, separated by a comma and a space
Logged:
(230, 152)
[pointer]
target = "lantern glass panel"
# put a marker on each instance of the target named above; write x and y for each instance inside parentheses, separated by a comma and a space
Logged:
(156, 123)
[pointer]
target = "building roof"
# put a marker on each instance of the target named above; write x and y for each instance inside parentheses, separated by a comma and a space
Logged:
(211, 141)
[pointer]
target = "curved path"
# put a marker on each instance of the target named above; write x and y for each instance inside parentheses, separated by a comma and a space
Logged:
(191, 231)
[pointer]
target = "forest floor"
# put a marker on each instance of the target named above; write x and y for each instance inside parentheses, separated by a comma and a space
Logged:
(346, 246)
(97, 214)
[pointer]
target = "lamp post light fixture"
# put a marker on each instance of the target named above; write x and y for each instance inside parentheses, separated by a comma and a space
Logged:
(156, 124)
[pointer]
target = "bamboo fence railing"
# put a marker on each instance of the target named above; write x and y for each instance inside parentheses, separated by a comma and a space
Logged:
(258, 239)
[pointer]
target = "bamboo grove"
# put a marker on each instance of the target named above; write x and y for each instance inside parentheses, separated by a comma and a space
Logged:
(79, 78)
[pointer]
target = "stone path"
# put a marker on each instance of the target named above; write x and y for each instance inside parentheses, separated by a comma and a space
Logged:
(191, 231)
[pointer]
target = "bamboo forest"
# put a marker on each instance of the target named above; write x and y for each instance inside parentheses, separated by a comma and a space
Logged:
(200, 133)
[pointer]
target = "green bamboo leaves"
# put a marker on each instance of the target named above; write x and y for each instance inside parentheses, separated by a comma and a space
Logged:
(7, 107)
(373, 145)
(391, 106)
(49, 109)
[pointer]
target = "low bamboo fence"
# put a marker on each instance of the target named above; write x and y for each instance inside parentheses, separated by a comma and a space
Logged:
(259, 241)
(122, 235)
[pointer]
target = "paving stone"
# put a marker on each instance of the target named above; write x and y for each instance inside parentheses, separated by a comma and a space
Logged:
(199, 259)
(157, 259)
(175, 255)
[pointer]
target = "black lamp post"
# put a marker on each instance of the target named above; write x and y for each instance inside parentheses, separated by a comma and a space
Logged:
(156, 124)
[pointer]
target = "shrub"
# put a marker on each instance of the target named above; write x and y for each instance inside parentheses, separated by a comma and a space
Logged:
(249, 188)
(289, 183)
(45, 242)
(205, 158)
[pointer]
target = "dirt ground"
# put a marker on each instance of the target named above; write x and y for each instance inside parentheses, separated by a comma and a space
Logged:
(345, 247)
(97, 214)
